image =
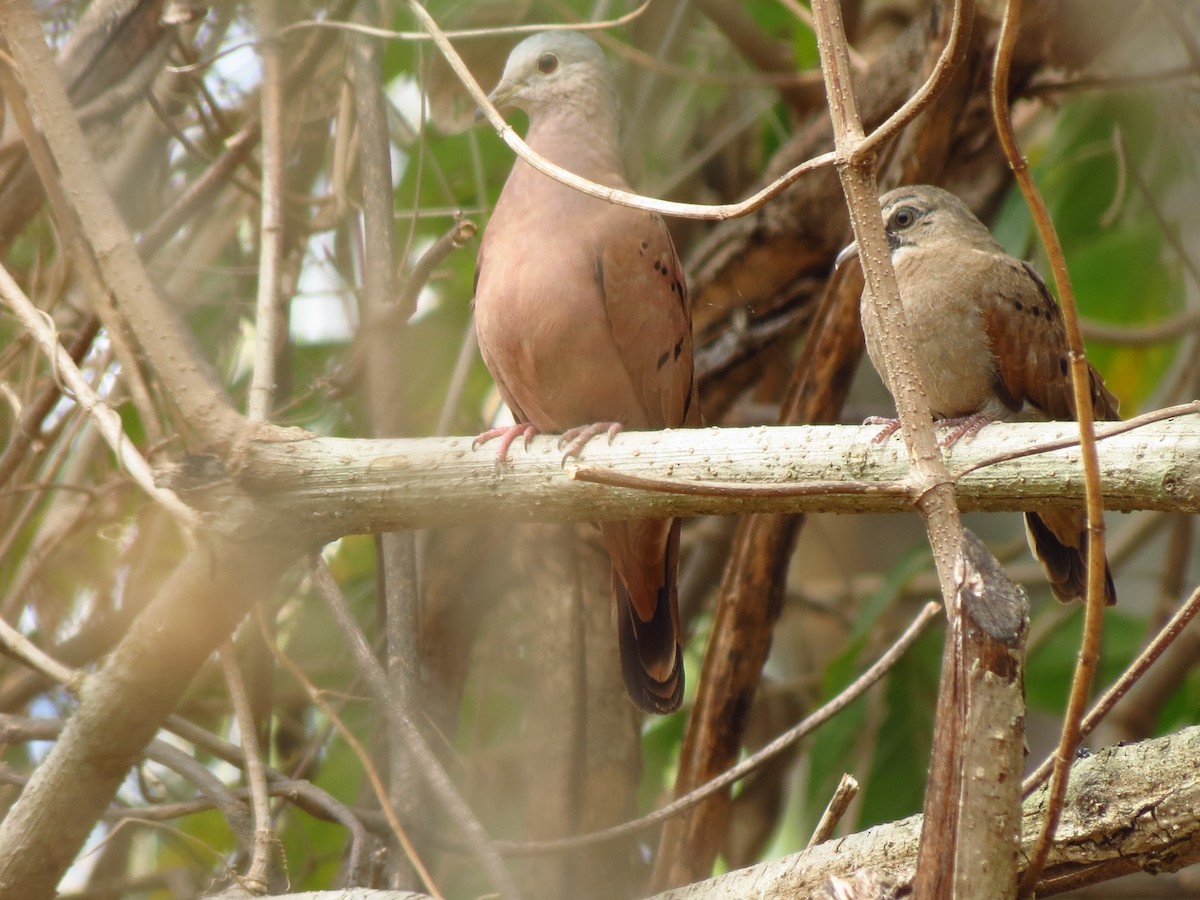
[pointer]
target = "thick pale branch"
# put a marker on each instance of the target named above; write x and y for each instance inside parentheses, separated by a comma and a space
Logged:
(338, 486)
(1128, 808)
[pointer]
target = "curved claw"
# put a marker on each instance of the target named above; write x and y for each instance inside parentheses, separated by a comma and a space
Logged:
(890, 427)
(508, 434)
(967, 426)
(575, 439)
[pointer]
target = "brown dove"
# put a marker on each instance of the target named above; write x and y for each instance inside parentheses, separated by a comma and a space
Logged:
(990, 343)
(582, 316)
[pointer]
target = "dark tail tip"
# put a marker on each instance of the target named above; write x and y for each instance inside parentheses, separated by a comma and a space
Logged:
(651, 654)
(1066, 566)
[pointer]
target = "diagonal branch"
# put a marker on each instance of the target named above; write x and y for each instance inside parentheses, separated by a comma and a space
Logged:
(41, 326)
(1089, 649)
(108, 239)
(122, 705)
(1129, 808)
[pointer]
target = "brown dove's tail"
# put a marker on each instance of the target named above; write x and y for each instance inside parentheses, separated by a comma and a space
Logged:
(651, 653)
(1058, 538)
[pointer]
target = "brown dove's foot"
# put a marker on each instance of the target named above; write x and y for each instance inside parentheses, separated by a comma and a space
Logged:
(508, 435)
(575, 439)
(890, 427)
(964, 426)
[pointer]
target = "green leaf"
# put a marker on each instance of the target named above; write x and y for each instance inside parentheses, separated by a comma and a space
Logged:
(895, 784)
(1051, 662)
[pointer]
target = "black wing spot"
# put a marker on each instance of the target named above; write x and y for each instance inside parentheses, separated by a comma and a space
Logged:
(1019, 305)
(662, 361)
(644, 247)
(679, 348)
(1062, 365)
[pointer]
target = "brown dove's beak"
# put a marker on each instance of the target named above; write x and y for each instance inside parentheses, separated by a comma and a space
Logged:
(500, 97)
(848, 252)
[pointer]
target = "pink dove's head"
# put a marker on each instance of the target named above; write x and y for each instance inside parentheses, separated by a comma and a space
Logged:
(557, 71)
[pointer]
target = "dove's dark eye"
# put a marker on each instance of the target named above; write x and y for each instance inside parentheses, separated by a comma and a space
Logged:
(904, 217)
(547, 63)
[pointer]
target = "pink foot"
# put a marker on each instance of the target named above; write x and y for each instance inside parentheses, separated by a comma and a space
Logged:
(508, 434)
(890, 427)
(964, 426)
(575, 439)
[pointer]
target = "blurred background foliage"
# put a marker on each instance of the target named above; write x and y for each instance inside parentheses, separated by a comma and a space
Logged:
(1116, 159)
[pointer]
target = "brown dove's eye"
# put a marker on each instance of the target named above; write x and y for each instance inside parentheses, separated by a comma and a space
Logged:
(904, 217)
(547, 63)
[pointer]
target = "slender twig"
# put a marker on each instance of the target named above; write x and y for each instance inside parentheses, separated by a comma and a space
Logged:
(463, 363)
(915, 104)
(364, 758)
(200, 191)
(855, 159)
(510, 137)
(801, 12)
(417, 277)
(72, 241)
(1182, 29)
(396, 551)
(751, 763)
(70, 448)
(1185, 253)
(287, 789)
(1089, 651)
(335, 24)
(312, 799)
(214, 791)
(732, 489)
(750, 119)
(1055, 85)
(1128, 679)
(1107, 430)
(268, 325)
(103, 230)
(1164, 331)
(33, 656)
(268, 318)
(847, 790)
(438, 780)
(960, 13)
(27, 426)
(696, 77)
(15, 729)
(257, 877)
(238, 147)
(107, 421)
(189, 840)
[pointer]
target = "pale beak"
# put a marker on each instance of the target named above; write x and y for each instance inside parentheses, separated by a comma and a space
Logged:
(499, 97)
(848, 252)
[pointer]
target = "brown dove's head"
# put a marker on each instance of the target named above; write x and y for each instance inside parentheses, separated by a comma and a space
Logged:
(559, 71)
(925, 216)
